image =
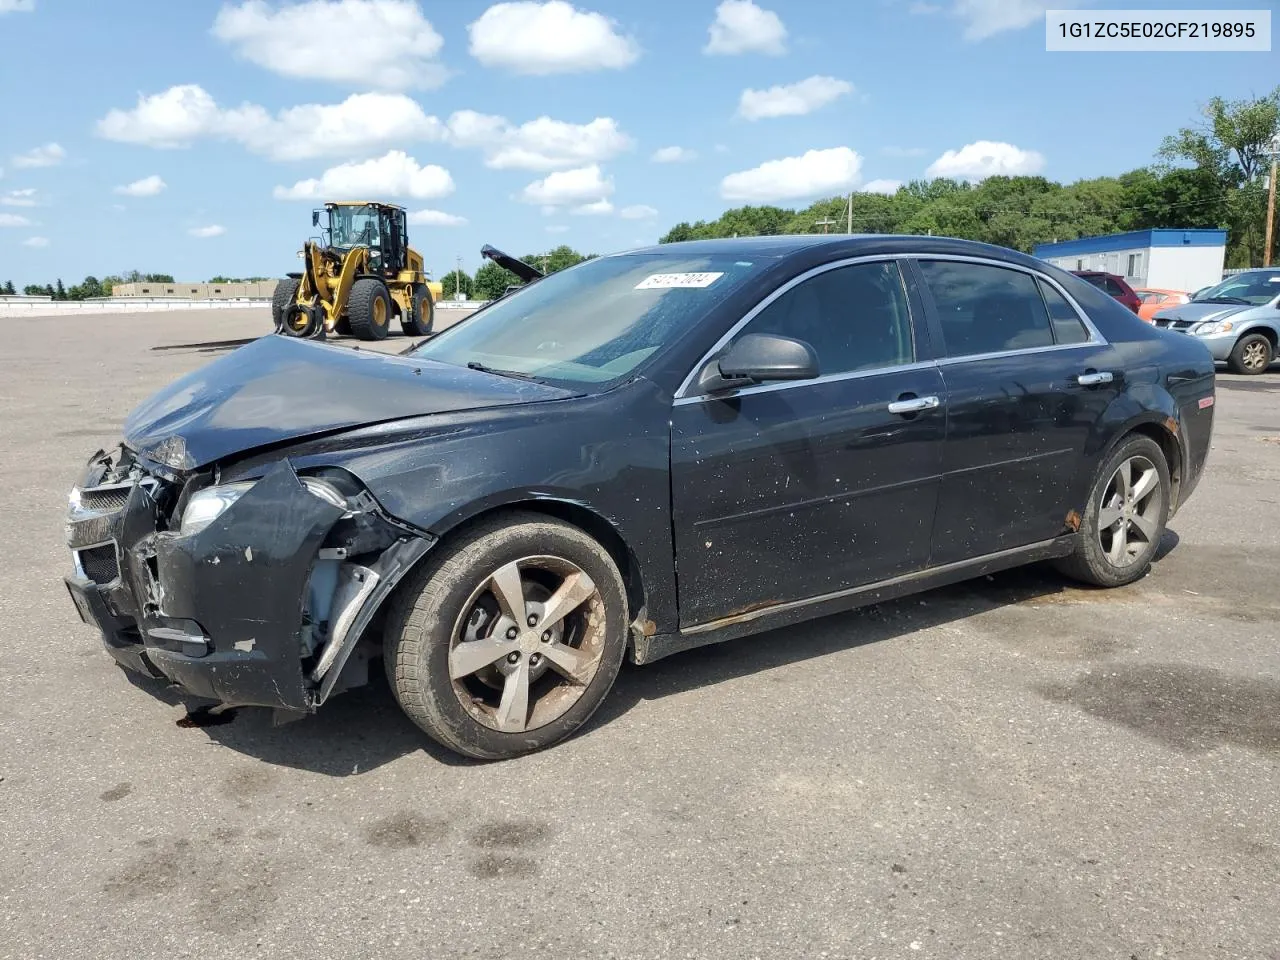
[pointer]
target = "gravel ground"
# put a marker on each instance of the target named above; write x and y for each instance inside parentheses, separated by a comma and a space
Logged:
(1009, 767)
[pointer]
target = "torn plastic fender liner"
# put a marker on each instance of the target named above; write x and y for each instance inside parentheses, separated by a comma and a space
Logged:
(243, 579)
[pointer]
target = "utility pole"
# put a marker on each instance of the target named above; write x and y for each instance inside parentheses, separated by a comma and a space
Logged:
(1271, 200)
(850, 227)
(824, 223)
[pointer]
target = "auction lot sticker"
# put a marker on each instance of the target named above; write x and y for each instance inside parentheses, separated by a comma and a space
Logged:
(674, 281)
(1120, 31)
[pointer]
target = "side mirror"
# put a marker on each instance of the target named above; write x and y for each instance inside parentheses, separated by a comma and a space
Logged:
(759, 358)
(315, 218)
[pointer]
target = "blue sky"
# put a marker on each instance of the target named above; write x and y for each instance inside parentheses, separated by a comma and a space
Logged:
(194, 137)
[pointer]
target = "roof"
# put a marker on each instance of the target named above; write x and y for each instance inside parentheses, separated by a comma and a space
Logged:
(855, 244)
(362, 203)
(1134, 240)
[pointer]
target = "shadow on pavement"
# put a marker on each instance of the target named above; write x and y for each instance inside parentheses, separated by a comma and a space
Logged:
(362, 729)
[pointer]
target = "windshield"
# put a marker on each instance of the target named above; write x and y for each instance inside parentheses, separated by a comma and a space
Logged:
(353, 226)
(1256, 288)
(594, 322)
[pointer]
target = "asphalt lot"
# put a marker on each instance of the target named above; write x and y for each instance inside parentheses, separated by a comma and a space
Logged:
(1011, 767)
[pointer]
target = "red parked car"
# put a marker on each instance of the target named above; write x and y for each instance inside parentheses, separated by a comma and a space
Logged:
(1112, 285)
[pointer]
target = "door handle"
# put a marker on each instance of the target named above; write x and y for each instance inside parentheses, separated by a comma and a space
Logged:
(1093, 379)
(914, 405)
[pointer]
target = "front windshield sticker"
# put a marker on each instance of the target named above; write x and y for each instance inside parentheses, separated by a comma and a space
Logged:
(671, 281)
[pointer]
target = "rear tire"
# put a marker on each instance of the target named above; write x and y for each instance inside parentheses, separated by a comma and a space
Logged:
(423, 314)
(369, 309)
(1124, 518)
(285, 293)
(1251, 355)
(450, 654)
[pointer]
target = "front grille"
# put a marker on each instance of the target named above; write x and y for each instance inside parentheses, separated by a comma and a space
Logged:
(89, 531)
(104, 499)
(99, 563)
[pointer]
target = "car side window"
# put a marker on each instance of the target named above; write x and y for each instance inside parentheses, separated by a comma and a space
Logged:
(1112, 287)
(1067, 326)
(854, 317)
(986, 309)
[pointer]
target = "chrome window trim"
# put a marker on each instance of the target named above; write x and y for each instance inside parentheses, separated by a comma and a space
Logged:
(683, 392)
(1096, 339)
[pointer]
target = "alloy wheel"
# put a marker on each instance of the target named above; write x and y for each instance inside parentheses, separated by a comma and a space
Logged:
(527, 644)
(1130, 512)
(1255, 355)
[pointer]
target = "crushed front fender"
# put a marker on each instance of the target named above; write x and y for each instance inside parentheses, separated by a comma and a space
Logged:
(220, 611)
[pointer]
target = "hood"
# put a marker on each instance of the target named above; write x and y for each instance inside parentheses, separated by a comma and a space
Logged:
(1195, 312)
(280, 389)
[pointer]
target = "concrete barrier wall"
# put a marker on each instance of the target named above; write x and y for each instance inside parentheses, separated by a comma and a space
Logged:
(63, 308)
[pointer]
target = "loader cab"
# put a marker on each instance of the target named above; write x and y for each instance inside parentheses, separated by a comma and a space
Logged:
(378, 226)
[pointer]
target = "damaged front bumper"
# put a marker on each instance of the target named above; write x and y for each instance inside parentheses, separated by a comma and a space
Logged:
(261, 607)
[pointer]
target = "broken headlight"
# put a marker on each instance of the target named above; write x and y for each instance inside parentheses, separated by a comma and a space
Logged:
(205, 506)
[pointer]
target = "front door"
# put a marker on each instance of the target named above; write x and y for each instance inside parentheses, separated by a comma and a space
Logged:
(1026, 382)
(788, 491)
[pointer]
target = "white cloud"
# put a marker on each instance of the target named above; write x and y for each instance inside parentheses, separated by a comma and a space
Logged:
(598, 208)
(552, 37)
(673, 155)
(569, 188)
(385, 44)
(13, 220)
(212, 230)
(183, 114)
(435, 218)
(887, 187)
(639, 211)
(394, 175)
(792, 100)
(903, 151)
(20, 198)
(541, 144)
(50, 155)
(557, 228)
(146, 187)
(36, 242)
(920, 7)
(742, 27)
(984, 18)
(17, 6)
(986, 158)
(814, 173)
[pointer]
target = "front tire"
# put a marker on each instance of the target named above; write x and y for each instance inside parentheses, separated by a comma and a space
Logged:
(369, 309)
(1124, 518)
(1251, 355)
(423, 314)
(285, 293)
(510, 639)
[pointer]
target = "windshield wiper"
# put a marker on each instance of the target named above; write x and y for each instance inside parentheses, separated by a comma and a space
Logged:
(1225, 300)
(513, 374)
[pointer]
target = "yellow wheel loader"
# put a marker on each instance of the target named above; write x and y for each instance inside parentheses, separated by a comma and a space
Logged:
(360, 276)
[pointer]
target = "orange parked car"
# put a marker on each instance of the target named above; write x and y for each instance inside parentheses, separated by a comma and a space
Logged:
(1154, 300)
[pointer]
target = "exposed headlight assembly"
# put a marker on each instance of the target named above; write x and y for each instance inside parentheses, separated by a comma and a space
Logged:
(1211, 328)
(205, 506)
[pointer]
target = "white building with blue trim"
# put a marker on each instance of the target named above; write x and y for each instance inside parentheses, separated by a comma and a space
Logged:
(1164, 259)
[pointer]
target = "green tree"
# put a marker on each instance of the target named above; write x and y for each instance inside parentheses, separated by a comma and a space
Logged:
(9, 288)
(59, 291)
(34, 290)
(1230, 144)
(491, 281)
(108, 284)
(558, 259)
(456, 281)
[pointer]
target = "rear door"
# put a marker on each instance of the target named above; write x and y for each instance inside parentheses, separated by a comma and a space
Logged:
(787, 491)
(1027, 378)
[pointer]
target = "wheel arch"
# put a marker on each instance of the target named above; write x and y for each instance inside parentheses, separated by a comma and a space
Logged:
(1166, 433)
(1266, 330)
(576, 514)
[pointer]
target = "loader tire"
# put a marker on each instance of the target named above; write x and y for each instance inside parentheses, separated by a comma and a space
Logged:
(285, 293)
(423, 315)
(369, 309)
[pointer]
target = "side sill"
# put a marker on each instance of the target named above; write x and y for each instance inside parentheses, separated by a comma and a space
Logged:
(649, 649)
